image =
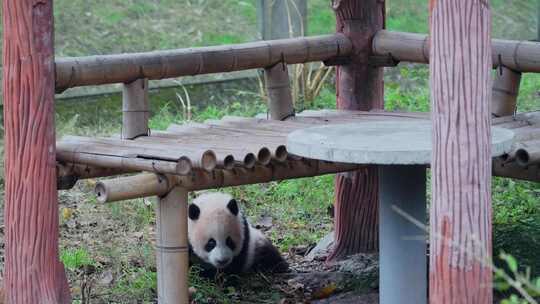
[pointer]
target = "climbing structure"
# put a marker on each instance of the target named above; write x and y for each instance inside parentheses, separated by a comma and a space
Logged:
(229, 152)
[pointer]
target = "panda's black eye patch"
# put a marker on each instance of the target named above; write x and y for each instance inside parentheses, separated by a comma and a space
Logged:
(211, 244)
(230, 243)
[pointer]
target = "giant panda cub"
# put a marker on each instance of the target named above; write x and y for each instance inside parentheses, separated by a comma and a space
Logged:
(221, 238)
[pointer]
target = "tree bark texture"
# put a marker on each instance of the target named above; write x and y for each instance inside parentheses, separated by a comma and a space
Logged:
(460, 216)
(358, 87)
(33, 272)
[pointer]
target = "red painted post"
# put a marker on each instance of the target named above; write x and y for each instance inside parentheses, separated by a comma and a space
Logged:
(461, 166)
(358, 87)
(33, 272)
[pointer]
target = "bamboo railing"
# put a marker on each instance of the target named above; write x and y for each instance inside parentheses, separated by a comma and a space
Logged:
(125, 68)
(522, 56)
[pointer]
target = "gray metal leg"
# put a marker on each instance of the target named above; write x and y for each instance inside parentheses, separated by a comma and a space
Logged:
(403, 262)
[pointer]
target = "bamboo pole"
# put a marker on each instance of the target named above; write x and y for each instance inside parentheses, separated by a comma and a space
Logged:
(143, 186)
(183, 166)
(522, 56)
(124, 68)
(512, 170)
(68, 174)
(115, 189)
(135, 109)
(172, 251)
(251, 139)
(75, 149)
(278, 87)
(505, 92)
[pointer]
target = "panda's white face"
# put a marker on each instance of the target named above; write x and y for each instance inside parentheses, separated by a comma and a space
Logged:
(215, 229)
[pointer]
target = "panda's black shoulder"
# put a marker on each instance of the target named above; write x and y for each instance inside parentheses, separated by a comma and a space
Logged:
(267, 258)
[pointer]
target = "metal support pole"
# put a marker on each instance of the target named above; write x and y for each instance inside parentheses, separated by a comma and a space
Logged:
(172, 247)
(135, 109)
(403, 262)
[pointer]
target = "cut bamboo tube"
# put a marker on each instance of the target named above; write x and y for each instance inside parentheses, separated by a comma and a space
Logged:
(528, 154)
(182, 166)
(522, 56)
(114, 189)
(187, 157)
(278, 87)
(124, 68)
(135, 109)
(172, 251)
(251, 140)
(147, 185)
(505, 92)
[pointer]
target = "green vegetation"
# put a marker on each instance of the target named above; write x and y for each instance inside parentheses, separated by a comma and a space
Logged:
(116, 240)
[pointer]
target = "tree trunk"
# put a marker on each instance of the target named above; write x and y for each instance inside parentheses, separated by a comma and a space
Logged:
(358, 87)
(460, 216)
(33, 272)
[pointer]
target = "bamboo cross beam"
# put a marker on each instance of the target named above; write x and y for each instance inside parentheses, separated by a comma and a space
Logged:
(125, 68)
(123, 188)
(521, 56)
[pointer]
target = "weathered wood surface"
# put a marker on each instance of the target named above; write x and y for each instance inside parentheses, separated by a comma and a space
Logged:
(135, 109)
(460, 214)
(505, 92)
(33, 272)
(359, 86)
(278, 88)
(522, 56)
(125, 68)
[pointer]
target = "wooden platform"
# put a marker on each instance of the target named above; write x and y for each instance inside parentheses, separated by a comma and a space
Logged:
(238, 142)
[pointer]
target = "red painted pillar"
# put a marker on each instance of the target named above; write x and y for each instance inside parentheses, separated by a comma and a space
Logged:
(33, 272)
(358, 87)
(461, 166)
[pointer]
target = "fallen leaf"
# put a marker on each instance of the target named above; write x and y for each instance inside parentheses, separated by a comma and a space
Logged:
(67, 213)
(324, 292)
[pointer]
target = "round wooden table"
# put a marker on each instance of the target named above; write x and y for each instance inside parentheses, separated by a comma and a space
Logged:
(403, 151)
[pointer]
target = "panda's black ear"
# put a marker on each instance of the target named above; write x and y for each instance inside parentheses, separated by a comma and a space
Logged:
(194, 212)
(233, 206)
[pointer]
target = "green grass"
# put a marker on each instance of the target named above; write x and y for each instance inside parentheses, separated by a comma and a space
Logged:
(74, 259)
